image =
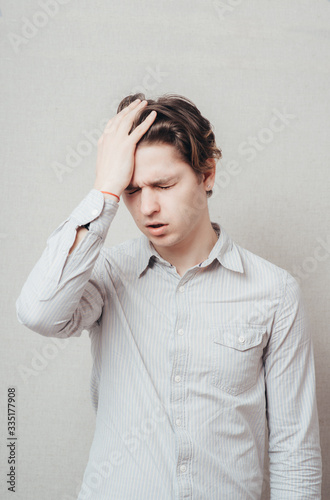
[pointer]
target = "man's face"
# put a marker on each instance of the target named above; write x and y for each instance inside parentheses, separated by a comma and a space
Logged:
(165, 198)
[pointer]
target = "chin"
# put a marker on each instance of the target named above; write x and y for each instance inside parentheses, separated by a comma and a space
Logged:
(166, 242)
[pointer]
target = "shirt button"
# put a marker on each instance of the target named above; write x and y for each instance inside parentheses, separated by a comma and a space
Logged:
(177, 378)
(241, 339)
(178, 422)
(183, 468)
(180, 332)
(181, 289)
(95, 211)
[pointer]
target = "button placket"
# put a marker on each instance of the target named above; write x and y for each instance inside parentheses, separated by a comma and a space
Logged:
(178, 377)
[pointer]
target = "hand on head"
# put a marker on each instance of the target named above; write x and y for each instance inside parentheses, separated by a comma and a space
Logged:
(116, 148)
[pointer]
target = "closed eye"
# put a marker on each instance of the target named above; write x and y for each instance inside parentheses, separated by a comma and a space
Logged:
(132, 192)
(139, 189)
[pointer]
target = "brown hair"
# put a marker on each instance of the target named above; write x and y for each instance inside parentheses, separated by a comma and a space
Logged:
(180, 123)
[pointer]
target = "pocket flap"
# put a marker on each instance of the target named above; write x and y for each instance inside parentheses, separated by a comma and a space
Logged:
(240, 337)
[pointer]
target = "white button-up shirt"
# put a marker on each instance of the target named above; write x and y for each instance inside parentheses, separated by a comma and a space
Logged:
(188, 371)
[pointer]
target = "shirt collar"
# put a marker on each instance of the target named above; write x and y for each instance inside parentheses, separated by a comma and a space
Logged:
(225, 251)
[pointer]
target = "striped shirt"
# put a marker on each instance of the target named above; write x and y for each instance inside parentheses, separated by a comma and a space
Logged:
(189, 372)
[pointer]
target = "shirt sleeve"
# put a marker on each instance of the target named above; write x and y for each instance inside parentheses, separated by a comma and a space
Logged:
(294, 446)
(64, 293)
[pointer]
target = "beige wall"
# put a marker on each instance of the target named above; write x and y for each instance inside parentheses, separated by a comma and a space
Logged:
(64, 68)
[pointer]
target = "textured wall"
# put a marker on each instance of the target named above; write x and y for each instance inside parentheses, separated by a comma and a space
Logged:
(65, 65)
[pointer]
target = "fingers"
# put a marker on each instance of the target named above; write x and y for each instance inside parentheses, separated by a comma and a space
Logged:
(131, 106)
(124, 123)
(124, 119)
(143, 127)
(131, 110)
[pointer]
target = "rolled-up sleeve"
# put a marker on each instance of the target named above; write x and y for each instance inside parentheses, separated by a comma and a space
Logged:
(64, 293)
(294, 445)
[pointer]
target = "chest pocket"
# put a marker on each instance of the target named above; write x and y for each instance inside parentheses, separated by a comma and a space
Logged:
(237, 357)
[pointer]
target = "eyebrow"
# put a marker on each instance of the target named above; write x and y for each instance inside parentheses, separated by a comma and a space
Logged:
(158, 182)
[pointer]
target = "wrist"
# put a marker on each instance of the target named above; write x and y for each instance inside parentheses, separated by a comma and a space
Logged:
(109, 195)
(109, 187)
(108, 192)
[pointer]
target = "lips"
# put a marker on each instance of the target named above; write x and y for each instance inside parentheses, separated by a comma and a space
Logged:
(157, 228)
(156, 224)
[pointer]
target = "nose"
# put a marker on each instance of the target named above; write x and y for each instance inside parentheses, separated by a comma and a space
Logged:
(149, 201)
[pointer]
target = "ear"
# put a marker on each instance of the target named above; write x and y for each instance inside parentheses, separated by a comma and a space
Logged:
(209, 175)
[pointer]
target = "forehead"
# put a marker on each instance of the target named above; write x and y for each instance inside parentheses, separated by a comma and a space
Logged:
(157, 152)
(158, 160)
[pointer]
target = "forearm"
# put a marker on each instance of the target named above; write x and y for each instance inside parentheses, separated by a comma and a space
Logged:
(294, 446)
(294, 452)
(57, 297)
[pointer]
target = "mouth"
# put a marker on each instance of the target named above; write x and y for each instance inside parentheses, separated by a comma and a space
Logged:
(156, 229)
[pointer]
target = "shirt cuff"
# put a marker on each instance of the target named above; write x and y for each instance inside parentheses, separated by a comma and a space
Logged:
(96, 211)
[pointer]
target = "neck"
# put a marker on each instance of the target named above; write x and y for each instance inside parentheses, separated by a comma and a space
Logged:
(191, 251)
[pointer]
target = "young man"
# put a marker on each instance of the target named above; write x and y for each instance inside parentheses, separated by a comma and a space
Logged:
(197, 343)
